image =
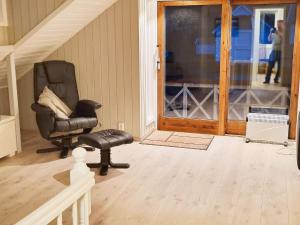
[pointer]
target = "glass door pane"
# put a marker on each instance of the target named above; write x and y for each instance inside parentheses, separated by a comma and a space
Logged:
(261, 57)
(192, 62)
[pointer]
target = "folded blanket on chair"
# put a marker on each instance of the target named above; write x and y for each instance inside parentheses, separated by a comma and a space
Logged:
(49, 99)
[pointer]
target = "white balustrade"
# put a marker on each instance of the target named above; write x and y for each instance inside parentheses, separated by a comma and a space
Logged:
(77, 196)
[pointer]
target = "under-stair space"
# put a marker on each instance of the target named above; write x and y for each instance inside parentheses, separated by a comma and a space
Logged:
(4, 52)
(50, 34)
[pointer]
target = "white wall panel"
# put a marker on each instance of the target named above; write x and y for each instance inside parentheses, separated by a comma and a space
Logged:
(148, 59)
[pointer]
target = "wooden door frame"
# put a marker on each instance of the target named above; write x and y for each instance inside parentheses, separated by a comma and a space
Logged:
(190, 125)
(295, 76)
(222, 126)
(239, 127)
(224, 65)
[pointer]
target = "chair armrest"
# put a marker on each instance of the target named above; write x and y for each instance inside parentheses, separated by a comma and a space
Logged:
(87, 108)
(45, 119)
(90, 103)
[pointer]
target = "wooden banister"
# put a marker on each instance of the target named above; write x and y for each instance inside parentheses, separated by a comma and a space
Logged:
(77, 196)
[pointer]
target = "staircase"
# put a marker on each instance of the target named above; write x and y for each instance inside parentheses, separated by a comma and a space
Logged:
(50, 34)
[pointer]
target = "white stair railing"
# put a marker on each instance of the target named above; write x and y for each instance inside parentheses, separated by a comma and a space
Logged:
(77, 196)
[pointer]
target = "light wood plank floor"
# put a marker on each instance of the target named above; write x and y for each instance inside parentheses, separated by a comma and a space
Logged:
(232, 183)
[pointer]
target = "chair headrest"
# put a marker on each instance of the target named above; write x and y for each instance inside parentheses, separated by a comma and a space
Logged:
(59, 76)
(56, 71)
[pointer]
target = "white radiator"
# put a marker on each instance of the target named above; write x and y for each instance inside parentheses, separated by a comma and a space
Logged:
(272, 128)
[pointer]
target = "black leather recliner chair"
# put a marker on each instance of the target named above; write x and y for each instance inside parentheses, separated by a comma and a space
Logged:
(59, 76)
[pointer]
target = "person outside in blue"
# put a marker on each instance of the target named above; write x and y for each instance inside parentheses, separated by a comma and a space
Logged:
(275, 37)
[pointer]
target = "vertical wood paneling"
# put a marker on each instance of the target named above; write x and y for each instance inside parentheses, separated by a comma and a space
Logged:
(33, 14)
(16, 23)
(4, 30)
(119, 57)
(10, 30)
(41, 7)
(105, 72)
(97, 65)
(76, 57)
(112, 66)
(3, 36)
(4, 103)
(82, 64)
(89, 63)
(25, 94)
(68, 51)
(127, 64)
(24, 15)
(105, 54)
(50, 6)
(61, 54)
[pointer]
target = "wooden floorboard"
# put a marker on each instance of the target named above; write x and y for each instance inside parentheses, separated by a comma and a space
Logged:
(232, 183)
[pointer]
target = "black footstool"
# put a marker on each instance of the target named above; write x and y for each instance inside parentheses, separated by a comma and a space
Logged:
(105, 140)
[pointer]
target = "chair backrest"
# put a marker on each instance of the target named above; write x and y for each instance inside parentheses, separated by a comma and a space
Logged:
(59, 76)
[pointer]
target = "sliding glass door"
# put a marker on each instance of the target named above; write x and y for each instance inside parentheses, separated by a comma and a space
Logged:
(262, 44)
(190, 37)
(217, 58)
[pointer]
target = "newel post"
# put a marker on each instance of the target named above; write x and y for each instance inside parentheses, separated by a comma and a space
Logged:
(80, 168)
(78, 172)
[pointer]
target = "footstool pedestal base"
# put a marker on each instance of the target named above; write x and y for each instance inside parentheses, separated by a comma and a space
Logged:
(105, 162)
(104, 140)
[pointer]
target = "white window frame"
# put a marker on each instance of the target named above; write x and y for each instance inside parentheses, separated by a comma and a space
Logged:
(148, 66)
(4, 22)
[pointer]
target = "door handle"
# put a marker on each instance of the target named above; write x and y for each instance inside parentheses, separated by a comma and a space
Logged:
(157, 58)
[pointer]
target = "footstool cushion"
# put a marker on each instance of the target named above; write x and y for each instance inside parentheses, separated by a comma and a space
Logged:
(106, 139)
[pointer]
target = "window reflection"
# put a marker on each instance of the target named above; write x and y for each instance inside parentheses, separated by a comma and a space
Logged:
(192, 61)
(261, 57)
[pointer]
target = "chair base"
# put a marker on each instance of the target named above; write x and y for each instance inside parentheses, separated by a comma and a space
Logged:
(105, 163)
(64, 146)
(63, 151)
